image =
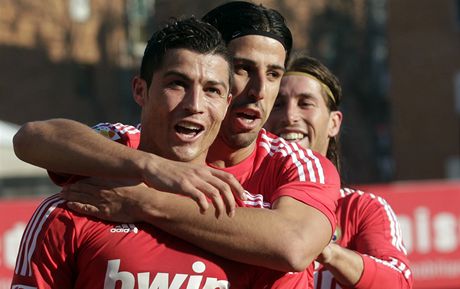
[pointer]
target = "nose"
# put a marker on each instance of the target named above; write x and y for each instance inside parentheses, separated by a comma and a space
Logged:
(257, 87)
(291, 113)
(194, 100)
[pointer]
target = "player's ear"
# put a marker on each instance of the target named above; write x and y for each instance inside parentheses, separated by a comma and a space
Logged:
(229, 98)
(335, 121)
(140, 90)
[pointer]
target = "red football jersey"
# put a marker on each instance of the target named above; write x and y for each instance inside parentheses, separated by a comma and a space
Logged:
(368, 225)
(275, 168)
(62, 249)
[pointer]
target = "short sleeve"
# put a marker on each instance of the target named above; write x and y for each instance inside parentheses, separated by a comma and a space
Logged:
(46, 256)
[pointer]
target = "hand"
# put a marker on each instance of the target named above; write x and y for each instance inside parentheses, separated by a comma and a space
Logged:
(199, 182)
(116, 201)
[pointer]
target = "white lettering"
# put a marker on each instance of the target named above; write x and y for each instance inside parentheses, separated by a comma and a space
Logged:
(198, 267)
(422, 215)
(213, 283)
(194, 282)
(428, 232)
(161, 279)
(112, 276)
(444, 226)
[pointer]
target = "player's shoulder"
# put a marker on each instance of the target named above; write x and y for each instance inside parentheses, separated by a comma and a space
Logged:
(112, 130)
(122, 133)
(49, 212)
(51, 207)
(362, 198)
(279, 149)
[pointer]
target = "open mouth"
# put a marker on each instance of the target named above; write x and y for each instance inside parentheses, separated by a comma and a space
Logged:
(292, 136)
(188, 129)
(247, 116)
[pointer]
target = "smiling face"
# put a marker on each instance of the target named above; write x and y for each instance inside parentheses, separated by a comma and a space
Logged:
(301, 115)
(184, 106)
(259, 66)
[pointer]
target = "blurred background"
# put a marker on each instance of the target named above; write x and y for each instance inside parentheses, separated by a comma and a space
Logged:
(398, 62)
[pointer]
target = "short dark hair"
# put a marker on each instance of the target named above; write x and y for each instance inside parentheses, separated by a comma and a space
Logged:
(190, 33)
(240, 18)
(312, 66)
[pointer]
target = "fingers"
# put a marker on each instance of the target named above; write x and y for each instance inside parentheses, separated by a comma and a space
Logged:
(219, 187)
(82, 199)
(201, 200)
(223, 198)
(210, 189)
(84, 209)
(233, 183)
(77, 193)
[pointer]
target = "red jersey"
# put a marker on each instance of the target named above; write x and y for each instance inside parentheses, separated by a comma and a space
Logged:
(275, 168)
(62, 249)
(368, 225)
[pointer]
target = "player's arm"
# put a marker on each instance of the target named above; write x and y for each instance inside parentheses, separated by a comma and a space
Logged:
(380, 245)
(46, 256)
(70, 147)
(287, 237)
(67, 146)
(380, 260)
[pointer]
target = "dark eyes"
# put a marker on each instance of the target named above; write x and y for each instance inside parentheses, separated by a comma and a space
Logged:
(280, 104)
(274, 75)
(305, 103)
(242, 69)
(175, 84)
(214, 91)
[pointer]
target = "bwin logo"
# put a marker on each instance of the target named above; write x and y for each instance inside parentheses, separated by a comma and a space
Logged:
(161, 280)
(124, 228)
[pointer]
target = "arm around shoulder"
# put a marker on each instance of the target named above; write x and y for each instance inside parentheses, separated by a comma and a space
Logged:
(67, 146)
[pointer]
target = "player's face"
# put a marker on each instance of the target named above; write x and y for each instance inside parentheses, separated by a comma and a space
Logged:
(185, 105)
(259, 66)
(300, 114)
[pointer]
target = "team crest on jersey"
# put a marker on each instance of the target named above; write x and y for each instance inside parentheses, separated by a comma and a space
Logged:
(337, 235)
(124, 228)
(110, 134)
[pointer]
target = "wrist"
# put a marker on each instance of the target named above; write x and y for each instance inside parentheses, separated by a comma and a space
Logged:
(328, 254)
(152, 206)
(146, 165)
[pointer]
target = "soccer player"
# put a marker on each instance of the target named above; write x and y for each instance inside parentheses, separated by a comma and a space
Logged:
(367, 250)
(299, 186)
(184, 92)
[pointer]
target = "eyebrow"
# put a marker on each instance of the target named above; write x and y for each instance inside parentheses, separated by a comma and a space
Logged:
(185, 77)
(253, 63)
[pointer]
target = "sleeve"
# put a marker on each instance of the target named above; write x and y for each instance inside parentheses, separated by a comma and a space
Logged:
(380, 243)
(380, 273)
(46, 257)
(312, 179)
(125, 134)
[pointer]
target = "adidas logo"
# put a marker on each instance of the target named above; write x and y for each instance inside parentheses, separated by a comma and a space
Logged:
(124, 228)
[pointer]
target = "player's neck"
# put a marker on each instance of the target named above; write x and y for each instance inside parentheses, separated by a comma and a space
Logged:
(222, 155)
